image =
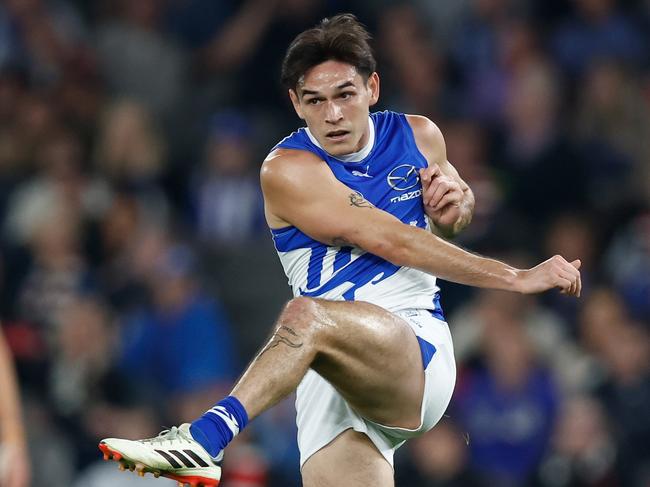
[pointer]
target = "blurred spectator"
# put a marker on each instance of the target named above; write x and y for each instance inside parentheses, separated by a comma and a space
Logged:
(58, 273)
(41, 37)
(611, 124)
(628, 265)
(491, 46)
(50, 445)
(237, 39)
(181, 344)
(228, 202)
(416, 71)
(275, 431)
(445, 16)
(14, 456)
(621, 380)
(130, 151)
(468, 152)
(85, 347)
(245, 466)
(602, 312)
(583, 451)
(139, 60)
(544, 329)
(60, 184)
(599, 29)
(440, 460)
(509, 405)
(573, 235)
(545, 173)
(625, 393)
(131, 247)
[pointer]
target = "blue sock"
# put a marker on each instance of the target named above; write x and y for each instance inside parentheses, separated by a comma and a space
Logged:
(219, 425)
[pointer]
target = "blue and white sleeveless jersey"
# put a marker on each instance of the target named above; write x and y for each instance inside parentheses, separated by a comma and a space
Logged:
(386, 173)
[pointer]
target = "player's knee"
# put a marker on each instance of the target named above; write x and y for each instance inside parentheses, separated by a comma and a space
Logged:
(301, 313)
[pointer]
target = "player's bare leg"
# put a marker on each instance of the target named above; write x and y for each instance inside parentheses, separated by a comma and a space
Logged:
(368, 354)
(358, 464)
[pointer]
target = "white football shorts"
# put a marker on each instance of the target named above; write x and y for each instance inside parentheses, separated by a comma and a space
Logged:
(323, 414)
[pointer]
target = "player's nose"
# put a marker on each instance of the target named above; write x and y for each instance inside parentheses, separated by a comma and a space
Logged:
(333, 112)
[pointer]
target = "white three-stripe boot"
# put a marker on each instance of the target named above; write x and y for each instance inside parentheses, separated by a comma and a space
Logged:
(173, 454)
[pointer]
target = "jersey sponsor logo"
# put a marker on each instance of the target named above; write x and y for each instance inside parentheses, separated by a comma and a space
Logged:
(407, 196)
(403, 177)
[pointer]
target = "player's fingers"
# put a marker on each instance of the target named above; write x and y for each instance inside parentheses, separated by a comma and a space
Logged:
(570, 268)
(563, 283)
(578, 283)
(433, 171)
(428, 192)
(441, 188)
(451, 197)
(572, 279)
(561, 263)
(427, 174)
(573, 268)
(426, 182)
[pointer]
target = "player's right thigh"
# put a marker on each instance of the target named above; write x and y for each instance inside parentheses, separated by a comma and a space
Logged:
(351, 460)
(369, 355)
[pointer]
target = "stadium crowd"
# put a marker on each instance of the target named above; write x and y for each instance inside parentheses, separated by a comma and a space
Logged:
(137, 275)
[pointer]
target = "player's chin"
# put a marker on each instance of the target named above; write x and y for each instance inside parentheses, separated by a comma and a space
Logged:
(339, 149)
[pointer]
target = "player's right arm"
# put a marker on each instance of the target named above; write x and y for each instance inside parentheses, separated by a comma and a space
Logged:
(300, 190)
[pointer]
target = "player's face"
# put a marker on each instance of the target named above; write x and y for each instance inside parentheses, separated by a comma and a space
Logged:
(335, 102)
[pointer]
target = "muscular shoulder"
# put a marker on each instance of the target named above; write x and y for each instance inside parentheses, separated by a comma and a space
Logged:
(428, 138)
(289, 177)
(288, 166)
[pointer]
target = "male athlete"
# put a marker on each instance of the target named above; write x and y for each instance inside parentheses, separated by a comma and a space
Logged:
(352, 200)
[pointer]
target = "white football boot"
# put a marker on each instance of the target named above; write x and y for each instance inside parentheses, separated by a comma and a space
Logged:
(173, 454)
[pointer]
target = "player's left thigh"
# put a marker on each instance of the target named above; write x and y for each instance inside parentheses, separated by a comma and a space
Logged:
(372, 358)
(350, 460)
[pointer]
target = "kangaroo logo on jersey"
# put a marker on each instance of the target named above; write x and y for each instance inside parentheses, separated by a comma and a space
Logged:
(403, 177)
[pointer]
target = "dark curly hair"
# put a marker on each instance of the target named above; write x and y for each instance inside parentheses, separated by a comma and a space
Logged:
(341, 38)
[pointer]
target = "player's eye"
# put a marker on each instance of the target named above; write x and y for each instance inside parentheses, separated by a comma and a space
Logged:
(313, 101)
(346, 95)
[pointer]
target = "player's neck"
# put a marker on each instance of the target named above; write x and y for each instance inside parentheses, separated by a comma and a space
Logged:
(359, 155)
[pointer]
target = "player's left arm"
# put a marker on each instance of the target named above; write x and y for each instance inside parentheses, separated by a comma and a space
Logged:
(448, 200)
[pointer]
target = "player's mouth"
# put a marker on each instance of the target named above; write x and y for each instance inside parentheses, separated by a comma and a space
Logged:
(337, 135)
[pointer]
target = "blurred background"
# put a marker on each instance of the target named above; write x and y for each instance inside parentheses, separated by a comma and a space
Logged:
(137, 276)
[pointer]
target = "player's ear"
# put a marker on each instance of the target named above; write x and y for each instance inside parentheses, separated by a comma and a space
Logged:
(296, 103)
(373, 87)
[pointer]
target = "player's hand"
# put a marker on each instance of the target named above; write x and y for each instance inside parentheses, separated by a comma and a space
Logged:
(555, 272)
(16, 469)
(441, 195)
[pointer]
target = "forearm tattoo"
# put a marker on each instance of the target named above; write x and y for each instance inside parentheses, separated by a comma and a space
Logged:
(283, 335)
(357, 199)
